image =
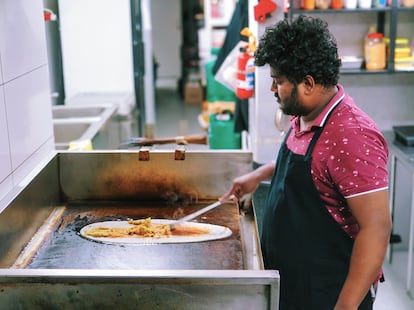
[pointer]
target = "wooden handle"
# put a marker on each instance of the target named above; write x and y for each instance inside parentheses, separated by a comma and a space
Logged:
(196, 139)
(190, 139)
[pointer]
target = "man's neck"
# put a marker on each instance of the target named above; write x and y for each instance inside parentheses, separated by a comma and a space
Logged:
(324, 99)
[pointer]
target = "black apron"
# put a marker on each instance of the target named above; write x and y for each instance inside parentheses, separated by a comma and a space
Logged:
(301, 239)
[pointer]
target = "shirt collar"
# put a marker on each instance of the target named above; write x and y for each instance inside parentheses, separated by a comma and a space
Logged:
(323, 116)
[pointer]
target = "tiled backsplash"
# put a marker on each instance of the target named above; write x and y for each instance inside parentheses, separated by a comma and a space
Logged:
(26, 132)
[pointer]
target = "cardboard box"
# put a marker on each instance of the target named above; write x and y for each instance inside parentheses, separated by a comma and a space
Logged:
(193, 93)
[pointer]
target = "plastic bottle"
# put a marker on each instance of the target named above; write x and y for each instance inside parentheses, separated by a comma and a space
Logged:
(323, 4)
(308, 4)
(350, 4)
(336, 4)
(379, 3)
(375, 51)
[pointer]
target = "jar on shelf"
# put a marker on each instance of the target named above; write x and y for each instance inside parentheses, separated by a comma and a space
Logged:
(322, 4)
(412, 47)
(336, 4)
(407, 3)
(402, 47)
(375, 52)
(308, 4)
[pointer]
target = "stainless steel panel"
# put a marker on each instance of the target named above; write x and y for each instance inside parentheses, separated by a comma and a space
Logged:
(27, 212)
(72, 177)
(121, 289)
(121, 175)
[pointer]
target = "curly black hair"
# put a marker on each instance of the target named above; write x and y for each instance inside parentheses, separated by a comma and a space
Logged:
(303, 47)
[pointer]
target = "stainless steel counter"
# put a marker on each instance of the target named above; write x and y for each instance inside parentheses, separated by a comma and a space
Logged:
(402, 157)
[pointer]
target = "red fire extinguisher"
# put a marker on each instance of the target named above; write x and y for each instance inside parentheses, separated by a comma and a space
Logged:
(245, 75)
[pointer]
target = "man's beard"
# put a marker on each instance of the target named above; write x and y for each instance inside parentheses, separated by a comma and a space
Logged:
(291, 105)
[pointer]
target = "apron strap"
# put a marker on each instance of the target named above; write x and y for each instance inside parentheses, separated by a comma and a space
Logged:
(318, 133)
(312, 144)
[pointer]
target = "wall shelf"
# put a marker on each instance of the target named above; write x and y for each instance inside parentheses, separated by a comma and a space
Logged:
(342, 11)
(215, 23)
(386, 17)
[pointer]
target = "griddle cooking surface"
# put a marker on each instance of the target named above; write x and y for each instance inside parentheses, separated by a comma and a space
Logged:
(65, 248)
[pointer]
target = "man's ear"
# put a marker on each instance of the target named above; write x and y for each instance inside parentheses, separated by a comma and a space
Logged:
(308, 84)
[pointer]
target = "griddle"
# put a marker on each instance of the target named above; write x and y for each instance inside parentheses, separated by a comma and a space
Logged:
(64, 248)
(404, 134)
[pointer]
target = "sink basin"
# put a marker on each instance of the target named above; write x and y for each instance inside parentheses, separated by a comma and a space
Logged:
(79, 123)
(61, 112)
(66, 132)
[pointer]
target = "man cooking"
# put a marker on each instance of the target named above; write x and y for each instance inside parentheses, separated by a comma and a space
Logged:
(326, 222)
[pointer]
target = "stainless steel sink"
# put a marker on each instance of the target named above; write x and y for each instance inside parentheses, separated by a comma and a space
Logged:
(69, 131)
(64, 112)
(79, 123)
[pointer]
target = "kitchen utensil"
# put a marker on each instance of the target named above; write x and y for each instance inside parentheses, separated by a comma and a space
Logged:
(142, 141)
(193, 215)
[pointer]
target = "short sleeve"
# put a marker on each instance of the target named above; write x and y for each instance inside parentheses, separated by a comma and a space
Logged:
(358, 160)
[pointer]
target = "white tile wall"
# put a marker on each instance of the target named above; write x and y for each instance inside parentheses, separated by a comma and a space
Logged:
(22, 37)
(3, 26)
(29, 114)
(26, 131)
(5, 163)
(1, 71)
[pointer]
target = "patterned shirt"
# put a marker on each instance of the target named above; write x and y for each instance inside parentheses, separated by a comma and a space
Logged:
(349, 159)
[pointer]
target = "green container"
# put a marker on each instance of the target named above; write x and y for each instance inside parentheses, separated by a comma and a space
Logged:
(221, 133)
(216, 91)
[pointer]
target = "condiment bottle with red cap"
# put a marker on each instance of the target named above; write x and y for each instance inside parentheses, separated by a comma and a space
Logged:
(375, 52)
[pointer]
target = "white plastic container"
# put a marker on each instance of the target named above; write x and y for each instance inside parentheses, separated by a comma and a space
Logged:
(350, 4)
(364, 4)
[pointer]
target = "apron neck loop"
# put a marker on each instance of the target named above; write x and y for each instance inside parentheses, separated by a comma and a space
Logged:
(318, 132)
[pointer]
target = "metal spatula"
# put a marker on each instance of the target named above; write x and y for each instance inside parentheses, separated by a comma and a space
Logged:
(193, 215)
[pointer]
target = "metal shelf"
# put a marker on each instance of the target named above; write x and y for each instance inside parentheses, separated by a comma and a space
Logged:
(341, 11)
(382, 12)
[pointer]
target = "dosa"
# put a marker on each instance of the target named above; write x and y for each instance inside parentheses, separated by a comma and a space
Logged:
(152, 231)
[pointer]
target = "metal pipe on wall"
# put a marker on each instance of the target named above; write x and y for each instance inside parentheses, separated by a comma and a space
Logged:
(149, 84)
(143, 65)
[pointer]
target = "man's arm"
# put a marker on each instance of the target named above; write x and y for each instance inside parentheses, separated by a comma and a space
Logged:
(249, 182)
(374, 219)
